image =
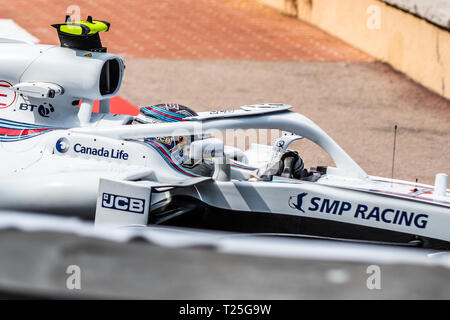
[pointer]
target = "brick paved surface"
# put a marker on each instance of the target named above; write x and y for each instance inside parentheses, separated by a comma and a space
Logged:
(190, 29)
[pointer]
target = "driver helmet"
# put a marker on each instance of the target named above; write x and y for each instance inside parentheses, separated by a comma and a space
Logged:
(163, 113)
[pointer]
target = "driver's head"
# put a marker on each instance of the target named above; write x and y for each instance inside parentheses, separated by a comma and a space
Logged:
(162, 113)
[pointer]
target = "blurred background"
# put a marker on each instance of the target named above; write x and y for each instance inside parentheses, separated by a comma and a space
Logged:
(355, 67)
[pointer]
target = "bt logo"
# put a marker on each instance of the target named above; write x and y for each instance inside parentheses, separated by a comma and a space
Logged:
(123, 203)
(43, 111)
(62, 145)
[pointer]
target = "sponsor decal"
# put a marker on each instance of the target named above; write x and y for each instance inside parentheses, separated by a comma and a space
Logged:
(62, 145)
(123, 203)
(217, 112)
(101, 152)
(168, 141)
(359, 211)
(43, 111)
(296, 202)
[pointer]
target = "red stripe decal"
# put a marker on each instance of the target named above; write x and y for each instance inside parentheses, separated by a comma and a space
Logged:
(19, 132)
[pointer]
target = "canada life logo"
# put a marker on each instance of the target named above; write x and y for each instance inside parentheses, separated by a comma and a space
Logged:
(62, 145)
(7, 95)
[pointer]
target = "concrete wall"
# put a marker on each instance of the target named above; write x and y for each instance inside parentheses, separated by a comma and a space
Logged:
(409, 43)
(434, 11)
(288, 7)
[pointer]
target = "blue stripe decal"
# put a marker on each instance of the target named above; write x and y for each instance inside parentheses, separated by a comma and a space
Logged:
(19, 125)
(170, 112)
(155, 111)
(160, 116)
(14, 125)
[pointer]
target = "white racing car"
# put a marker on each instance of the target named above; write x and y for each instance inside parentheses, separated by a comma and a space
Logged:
(165, 167)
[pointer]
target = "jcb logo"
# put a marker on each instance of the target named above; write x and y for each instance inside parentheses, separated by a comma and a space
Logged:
(122, 203)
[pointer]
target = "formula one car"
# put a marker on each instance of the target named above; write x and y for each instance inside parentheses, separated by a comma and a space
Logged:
(167, 166)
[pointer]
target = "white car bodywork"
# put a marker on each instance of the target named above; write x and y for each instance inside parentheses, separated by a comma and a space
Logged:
(59, 158)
